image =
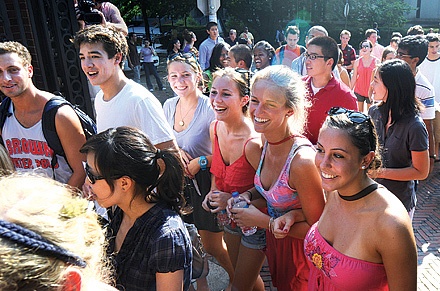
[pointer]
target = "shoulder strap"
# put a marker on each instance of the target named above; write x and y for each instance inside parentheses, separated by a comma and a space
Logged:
(302, 50)
(283, 47)
(48, 123)
(4, 111)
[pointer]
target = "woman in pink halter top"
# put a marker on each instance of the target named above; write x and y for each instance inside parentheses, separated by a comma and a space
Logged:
(362, 241)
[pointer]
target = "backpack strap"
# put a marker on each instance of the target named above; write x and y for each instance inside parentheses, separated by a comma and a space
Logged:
(4, 113)
(283, 47)
(48, 123)
(302, 50)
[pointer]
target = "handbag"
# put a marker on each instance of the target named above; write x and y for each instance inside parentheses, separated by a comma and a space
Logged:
(200, 266)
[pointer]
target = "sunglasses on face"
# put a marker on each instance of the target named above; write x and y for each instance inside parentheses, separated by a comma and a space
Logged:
(354, 116)
(91, 177)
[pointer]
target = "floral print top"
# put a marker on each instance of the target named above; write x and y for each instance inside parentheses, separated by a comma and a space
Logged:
(331, 270)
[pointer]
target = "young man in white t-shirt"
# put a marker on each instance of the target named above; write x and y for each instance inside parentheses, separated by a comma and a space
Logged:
(121, 101)
(413, 50)
(430, 67)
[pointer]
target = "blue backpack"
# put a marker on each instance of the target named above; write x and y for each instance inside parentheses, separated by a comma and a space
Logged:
(48, 123)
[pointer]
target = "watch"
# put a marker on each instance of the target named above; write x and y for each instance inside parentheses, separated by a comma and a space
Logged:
(203, 162)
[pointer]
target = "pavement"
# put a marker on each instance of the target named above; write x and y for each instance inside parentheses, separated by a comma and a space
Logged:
(426, 222)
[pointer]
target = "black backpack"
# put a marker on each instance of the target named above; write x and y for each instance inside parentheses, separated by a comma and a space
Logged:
(48, 123)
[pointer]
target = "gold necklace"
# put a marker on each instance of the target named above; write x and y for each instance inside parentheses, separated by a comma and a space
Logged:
(182, 122)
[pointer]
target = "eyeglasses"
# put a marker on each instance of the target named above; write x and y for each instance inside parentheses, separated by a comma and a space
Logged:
(92, 178)
(354, 116)
(402, 55)
(314, 57)
(365, 46)
(183, 57)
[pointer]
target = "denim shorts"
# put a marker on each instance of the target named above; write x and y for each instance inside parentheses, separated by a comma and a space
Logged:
(257, 241)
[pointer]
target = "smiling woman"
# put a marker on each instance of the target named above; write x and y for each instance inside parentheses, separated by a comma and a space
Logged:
(381, 253)
(190, 114)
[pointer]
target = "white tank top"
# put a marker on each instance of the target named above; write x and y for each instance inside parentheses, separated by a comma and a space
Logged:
(30, 152)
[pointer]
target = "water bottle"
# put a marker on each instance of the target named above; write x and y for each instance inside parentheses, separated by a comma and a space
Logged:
(240, 203)
(222, 216)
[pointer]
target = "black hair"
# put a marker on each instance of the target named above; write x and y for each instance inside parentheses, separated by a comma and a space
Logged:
(242, 52)
(214, 61)
(328, 46)
(362, 135)
(399, 80)
(268, 48)
(416, 46)
(127, 151)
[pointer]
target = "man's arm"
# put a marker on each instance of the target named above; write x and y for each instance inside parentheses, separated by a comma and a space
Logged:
(72, 138)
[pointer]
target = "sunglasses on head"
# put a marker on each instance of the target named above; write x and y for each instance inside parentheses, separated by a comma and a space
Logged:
(354, 116)
(182, 56)
(247, 75)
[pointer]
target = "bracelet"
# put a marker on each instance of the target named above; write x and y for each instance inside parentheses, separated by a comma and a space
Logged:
(433, 157)
(271, 224)
(250, 194)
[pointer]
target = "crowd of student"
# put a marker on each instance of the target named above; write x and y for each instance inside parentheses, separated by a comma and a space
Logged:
(331, 189)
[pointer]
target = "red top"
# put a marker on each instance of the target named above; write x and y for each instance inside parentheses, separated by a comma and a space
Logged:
(238, 176)
(333, 94)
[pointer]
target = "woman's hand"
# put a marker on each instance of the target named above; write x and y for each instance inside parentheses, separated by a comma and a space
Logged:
(216, 201)
(186, 159)
(281, 225)
(245, 216)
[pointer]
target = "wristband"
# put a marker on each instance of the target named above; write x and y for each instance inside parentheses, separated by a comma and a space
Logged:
(203, 162)
(250, 194)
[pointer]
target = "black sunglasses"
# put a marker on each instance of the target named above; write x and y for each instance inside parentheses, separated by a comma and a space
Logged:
(92, 178)
(354, 116)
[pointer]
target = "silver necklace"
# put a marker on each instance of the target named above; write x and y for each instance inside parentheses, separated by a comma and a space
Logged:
(182, 121)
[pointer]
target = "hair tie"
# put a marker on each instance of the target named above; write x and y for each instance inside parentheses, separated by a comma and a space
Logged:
(159, 154)
(37, 243)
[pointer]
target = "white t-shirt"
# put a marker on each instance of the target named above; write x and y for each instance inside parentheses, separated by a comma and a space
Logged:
(425, 93)
(431, 70)
(133, 106)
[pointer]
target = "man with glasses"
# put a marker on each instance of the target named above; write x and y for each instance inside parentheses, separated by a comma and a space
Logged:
(298, 65)
(413, 50)
(325, 90)
(232, 38)
(291, 50)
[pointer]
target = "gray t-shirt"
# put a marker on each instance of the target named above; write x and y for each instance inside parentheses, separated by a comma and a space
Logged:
(195, 138)
(404, 136)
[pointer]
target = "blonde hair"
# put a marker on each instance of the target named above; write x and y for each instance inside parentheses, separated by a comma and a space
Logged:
(6, 166)
(292, 87)
(59, 215)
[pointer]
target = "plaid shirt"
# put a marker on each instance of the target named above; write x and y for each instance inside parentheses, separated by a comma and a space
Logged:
(158, 242)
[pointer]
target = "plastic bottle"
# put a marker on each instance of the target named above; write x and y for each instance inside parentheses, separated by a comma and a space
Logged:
(240, 203)
(222, 216)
